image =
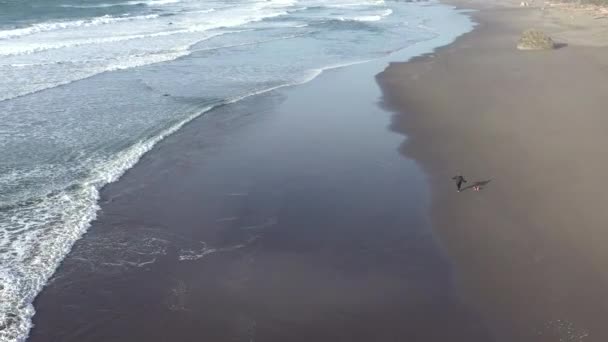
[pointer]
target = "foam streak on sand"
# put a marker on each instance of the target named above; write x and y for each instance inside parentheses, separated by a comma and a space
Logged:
(193, 255)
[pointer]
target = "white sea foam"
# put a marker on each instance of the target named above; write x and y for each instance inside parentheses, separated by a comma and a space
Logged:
(125, 46)
(60, 25)
(88, 68)
(27, 47)
(128, 62)
(376, 17)
(348, 5)
(21, 49)
(152, 2)
(127, 3)
(351, 4)
(193, 255)
(92, 6)
(366, 18)
(117, 54)
(208, 10)
(256, 42)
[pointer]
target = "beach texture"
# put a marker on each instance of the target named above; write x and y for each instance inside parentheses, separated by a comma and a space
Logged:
(530, 247)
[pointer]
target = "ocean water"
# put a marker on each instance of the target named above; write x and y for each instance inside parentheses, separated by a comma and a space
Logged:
(88, 87)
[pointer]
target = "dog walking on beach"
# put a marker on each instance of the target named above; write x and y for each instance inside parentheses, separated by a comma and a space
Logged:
(459, 181)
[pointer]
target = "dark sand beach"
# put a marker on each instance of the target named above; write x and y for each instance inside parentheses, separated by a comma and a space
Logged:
(289, 216)
(530, 248)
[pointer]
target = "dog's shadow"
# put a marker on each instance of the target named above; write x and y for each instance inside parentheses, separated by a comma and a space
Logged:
(480, 185)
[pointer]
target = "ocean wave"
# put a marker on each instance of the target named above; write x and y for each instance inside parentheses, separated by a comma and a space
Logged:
(127, 62)
(283, 3)
(29, 49)
(93, 6)
(60, 25)
(208, 10)
(256, 42)
(152, 2)
(350, 5)
(132, 61)
(127, 3)
(26, 48)
(364, 18)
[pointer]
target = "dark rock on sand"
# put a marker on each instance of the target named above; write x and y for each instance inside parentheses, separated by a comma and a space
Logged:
(535, 40)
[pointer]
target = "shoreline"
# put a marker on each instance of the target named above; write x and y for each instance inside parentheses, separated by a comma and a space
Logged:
(526, 248)
(239, 226)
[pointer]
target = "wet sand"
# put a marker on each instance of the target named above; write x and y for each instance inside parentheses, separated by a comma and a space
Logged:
(530, 248)
(284, 217)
